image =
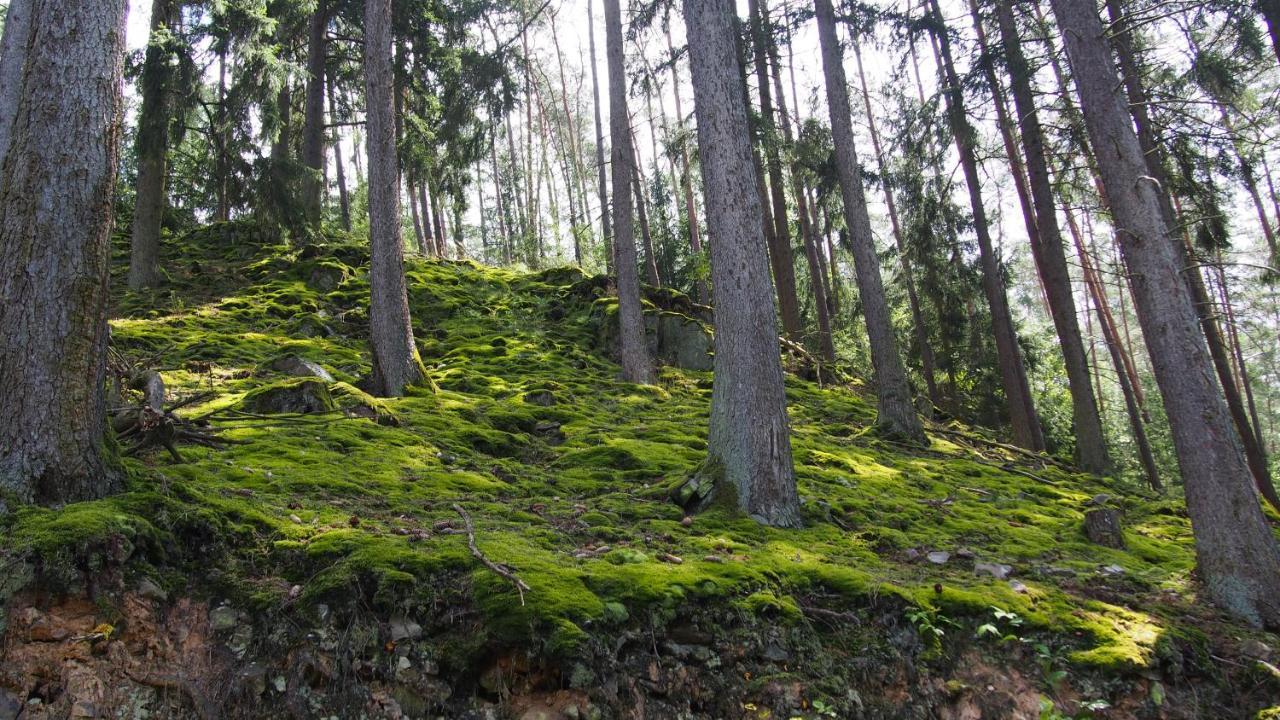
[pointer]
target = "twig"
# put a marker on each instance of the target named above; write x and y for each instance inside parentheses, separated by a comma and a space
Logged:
(501, 570)
(1003, 446)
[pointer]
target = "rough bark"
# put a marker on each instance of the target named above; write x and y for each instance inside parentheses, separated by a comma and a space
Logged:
(13, 58)
(153, 151)
(749, 440)
(1013, 373)
(632, 349)
(1051, 259)
(1237, 554)
(395, 357)
(55, 229)
(313, 124)
(602, 186)
(897, 415)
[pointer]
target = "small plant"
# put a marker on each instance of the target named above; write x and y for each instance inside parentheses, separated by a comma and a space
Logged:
(1010, 621)
(929, 623)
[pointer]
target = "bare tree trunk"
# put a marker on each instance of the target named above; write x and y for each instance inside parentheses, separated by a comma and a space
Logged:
(437, 219)
(1270, 10)
(417, 218)
(702, 293)
(1238, 557)
(573, 156)
(1051, 259)
(1013, 373)
(632, 348)
(606, 231)
(54, 254)
(897, 415)
(222, 141)
(749, 441)
(153, 152)
(503, 228)
(395, 357)
(642, 214)
(344, 198)
(927, 360)
(313, 122)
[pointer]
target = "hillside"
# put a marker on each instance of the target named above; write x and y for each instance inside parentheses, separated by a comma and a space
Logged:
(506, 544)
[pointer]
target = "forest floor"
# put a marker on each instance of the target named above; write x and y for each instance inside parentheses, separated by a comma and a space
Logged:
(505, 543)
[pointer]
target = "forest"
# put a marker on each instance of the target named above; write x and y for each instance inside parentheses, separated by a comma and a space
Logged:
(561, 359)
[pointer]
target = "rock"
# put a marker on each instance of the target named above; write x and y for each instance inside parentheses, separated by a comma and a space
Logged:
(1255, 649)
(773, 652)
(147, 588)
(402, 628)
(1113, 570)
(42, 630)
(404, 663)
(684, 342)
(938, 557)
(1102, 527)
(327, 276)
(10, 705)
(1099, 500)
(299, 367)
(1017, 586)
(84, 709)
(305, 395)
(995, 570)
(223, 618)
(964, 554)
(543, 398)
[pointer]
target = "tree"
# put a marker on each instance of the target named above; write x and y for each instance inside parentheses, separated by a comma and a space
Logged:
(55, 228)
(13, 58)
(153, 149)
(897, 415)
(313, 127)
(602, 187)
(632, 351)
(749, 440)
(1238, 557)
(395, 357)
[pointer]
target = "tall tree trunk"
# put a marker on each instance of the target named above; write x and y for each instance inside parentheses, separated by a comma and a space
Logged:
(395, 357)
(503, 226)
(606, 231)
(784, 271)
(344, 198)
(153, 150)
(222, 142)
(702, 293)
(650, 259)
(749, 439)
(13, 59)
(897, 415)
(573, 156)
(1013, 373)
(437, 220)
(1051, 259)
(1270, 10)
(313, 131)
(54, 254)
(1238, 557)
(417, 218)
(921, 330)
(632, 348)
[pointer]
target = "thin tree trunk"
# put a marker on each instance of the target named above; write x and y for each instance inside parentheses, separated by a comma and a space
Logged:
(417, 218)
(55, 264)
(702, 293)
(749, 440)
(1238, 557)
(437, 219)
(313, 131)
(1270, 10)
(642, 216)
(606, 231)
(152, 152)
(344, 198)
(897, 415)
(395, 357)
(503, 227)
(1013, 373)
(222, 141)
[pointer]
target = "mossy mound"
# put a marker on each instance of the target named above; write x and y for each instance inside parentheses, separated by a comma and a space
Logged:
(567, 472)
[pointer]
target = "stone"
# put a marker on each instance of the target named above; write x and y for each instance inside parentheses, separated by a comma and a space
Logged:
(543, 398)
(684, 343)
(1102, 527)
(402, 628)
(1099, 500)
(1113, 570)
(773, 652)
(1255, 649)
(84, 709)
(299, 367)
(308, 395)
(995, 570)
(223, 618)
(10, 705)
(938, 557)
(1017, 587)
(148, 589)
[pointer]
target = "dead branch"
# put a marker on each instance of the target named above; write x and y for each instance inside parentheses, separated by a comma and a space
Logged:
(501, 570)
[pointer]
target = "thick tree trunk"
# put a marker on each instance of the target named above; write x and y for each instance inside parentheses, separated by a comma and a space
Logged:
(1013, 373)
(153, 152)
(897, 414)
(632, 348)
(927, 360)
(344, 198)
(602, 187)
(1051, 259)
(13, 59)
(1238, 557)
(313, 129)
(54, 254)
(395, 357)
(749, 440)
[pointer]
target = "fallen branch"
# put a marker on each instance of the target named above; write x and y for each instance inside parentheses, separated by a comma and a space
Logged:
(501, 570)
(1003, 446)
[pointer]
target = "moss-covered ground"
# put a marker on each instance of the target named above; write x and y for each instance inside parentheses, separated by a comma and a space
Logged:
(566, 472)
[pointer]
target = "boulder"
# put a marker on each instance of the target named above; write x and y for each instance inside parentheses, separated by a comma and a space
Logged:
(302, 395)
(684, 342)
(299, 367)
(1102, 527)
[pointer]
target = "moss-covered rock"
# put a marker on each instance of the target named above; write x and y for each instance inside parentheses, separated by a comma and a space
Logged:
(302, 395)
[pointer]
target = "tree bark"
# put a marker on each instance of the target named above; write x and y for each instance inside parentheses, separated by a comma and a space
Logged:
(153, 151)
(749, 439)
(55, 228)
(395, 357)
(1013, 373)
(897, 414)
(602, 187)
(1051, 259)
(313, 128)
(13, 59)
(1238, 557)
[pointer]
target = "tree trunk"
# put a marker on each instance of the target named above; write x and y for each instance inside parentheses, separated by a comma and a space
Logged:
(650, 259)
(417, 218)
(1238, 557)
(395, 357)
(344, 198)
(749, 440)
(606, 231)
(313, 131)
(927, 360)
(153, 151)
(222, 142)
(13, 58)
(897, 415)
(1051, 259)
(1013, 374)
(1270, 10)
(55, 254)
(632, 348)
(702, 293)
